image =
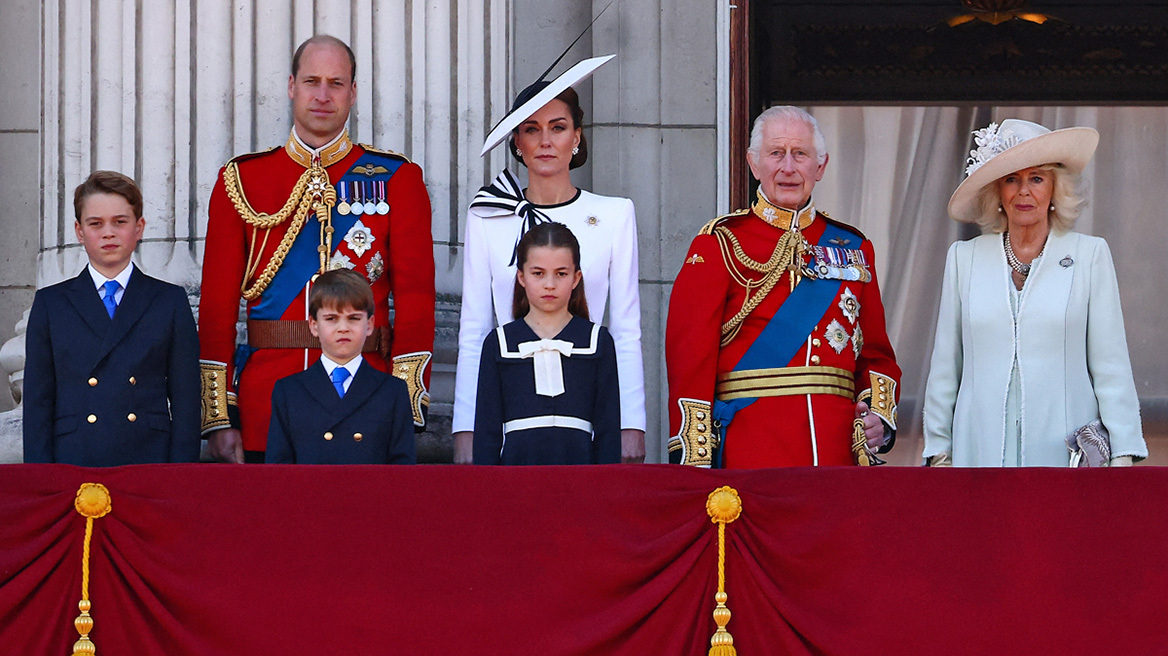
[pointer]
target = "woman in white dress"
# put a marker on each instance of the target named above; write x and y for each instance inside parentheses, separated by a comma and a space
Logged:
(543, 131)
(1030, 344)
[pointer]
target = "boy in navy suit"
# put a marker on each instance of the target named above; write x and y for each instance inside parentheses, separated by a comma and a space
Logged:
(112, 365)
(341, 410)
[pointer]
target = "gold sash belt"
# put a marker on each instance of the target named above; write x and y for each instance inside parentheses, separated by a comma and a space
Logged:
(785, 381)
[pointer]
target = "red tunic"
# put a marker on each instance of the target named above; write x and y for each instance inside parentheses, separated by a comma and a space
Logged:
(399, 263)
(773, 431)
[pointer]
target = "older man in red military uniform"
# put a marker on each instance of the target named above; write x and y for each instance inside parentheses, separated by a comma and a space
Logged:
(280, 217)
(775, 342)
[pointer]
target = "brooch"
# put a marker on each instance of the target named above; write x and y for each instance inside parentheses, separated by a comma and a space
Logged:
(1066, 262)
(695, 259)
(592, 221)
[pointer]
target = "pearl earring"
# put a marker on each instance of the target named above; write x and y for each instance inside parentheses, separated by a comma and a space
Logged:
(1000, 210)
(575, 150)
(1052, 207)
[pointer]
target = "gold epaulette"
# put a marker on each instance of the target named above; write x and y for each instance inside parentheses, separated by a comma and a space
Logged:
(708, 229)
(246, 156)
(371, 149)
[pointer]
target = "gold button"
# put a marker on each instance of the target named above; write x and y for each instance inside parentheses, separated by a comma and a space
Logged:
(214, 404)
(701, 428)
(815, 359)
(816, 342)
(214, 376)
(215, 412)
(93, 382)
(701, 415)
(133, 381)
(404, 368)
(91, 418)
(702, 452)
(132, 417)
(328, 436)
(701, 439)
(357, 437)
(214, 385)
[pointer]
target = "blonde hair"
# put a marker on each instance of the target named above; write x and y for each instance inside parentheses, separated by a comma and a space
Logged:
(1067, 197)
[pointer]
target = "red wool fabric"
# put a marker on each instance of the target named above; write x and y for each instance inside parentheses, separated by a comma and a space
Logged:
(222, 559)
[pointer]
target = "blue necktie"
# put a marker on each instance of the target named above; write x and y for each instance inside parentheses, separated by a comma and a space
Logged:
(340, 375)
(111, 287)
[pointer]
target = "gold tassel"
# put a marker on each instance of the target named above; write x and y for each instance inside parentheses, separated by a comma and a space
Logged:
(93, 502)
(723, 506)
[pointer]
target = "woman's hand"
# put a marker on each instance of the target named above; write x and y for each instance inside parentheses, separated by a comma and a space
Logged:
(1120, 461)
(940, 460)
(464, 447)
(632, 446)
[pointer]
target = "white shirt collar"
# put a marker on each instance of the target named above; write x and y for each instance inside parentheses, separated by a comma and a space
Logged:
(351, 365)
(99, 279)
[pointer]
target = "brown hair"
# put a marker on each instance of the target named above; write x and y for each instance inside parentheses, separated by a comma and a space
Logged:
(325, 39)
(550, 235)
(572, 100)
(108, 182)
(340, 289)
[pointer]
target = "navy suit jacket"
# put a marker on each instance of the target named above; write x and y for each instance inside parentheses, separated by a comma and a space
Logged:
(311, 424)
(104, 392)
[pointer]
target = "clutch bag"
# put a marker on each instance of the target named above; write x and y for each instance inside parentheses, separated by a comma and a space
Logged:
(1090, 445)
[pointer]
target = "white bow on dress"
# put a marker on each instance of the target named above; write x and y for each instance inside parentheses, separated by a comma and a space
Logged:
(549, 372)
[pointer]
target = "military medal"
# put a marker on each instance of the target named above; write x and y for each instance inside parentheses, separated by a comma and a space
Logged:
(343, 206)
(359, 238)
(370, 206)
(357, 208)
(382, 206)
(375, 267)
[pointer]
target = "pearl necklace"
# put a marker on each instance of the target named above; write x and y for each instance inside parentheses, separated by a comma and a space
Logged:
(1012, 259)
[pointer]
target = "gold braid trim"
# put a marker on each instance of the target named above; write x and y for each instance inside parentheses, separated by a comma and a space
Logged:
(411, 368)
(312, 192)
(695, 437)
(215, 396)
(787, 256)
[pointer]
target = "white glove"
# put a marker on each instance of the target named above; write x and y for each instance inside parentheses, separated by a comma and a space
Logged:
(940, 460)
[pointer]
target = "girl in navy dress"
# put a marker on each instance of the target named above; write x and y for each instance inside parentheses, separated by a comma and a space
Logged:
(548, 391)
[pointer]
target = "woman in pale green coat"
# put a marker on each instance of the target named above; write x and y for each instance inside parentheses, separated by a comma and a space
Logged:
(1030, 343)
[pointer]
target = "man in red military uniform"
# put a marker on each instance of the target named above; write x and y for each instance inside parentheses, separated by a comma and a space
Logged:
(280, 217)
(775, 342)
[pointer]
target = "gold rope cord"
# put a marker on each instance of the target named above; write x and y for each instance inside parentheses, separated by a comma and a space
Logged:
(723, 505)
(312, 192)
(92, 502)
(787, 256)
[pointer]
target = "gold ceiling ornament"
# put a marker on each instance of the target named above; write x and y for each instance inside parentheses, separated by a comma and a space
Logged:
(996, 12)
(92, 502)
(723, 506)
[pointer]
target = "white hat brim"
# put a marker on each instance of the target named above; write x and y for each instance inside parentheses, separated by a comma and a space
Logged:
(568, 78)
(1071, 147)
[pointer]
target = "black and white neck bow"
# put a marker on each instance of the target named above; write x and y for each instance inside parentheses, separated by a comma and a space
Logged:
(504, 197)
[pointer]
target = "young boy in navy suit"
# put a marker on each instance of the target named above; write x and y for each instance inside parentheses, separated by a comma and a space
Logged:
(112, 356)
(341, 410)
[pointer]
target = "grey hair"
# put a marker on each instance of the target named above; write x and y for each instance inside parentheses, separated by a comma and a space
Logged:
(1067, 196)
(791, 113)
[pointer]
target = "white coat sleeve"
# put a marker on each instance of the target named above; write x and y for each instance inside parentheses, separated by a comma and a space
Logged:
(624, 319)
(1108, 362)
(945, 365)
(476, 319)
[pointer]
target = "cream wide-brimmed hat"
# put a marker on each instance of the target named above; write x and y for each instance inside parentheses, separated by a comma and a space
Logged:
(1013, 146)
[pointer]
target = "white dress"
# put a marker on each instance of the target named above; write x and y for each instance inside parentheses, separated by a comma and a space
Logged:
(606, 228)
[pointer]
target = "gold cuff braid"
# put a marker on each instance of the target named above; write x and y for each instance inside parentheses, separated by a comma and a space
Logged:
(411, 367)
(215, 397)
(881, 397)
(695, 438)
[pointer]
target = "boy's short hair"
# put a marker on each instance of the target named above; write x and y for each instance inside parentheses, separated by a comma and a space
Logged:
(107, 182)
(340, 288)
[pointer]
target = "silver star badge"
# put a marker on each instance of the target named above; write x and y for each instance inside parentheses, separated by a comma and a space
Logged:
(359, 238)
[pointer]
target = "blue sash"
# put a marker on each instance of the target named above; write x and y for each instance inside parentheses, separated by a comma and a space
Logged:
(784, 334)
(303, 259)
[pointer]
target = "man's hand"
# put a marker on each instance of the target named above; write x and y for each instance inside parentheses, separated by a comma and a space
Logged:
(226, 445)
(873, 427)
(464, 447)
(632, 446)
